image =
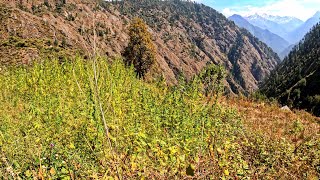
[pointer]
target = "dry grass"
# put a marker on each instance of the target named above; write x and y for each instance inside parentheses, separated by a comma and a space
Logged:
(270, 120)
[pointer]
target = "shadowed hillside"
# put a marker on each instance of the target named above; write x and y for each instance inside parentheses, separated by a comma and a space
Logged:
(296, 81)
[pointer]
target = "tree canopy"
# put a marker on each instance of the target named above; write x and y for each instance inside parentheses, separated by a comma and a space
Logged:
(140, 51)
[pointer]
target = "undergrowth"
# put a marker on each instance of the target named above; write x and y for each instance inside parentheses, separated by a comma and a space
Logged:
(51, 127)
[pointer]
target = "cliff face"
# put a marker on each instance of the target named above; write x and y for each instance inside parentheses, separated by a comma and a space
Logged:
(188, 36)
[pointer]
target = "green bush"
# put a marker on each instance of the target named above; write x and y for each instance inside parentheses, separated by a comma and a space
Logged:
(212, 77)
(50, 120)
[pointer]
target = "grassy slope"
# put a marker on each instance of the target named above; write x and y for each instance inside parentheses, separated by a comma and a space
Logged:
(274, 122)
(51, 126)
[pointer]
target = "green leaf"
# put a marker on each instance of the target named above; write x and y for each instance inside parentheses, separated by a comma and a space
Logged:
(64, 171)
(28, 173)
(190, 170)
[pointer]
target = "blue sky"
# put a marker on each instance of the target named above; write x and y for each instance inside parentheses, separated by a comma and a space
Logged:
(302, 9)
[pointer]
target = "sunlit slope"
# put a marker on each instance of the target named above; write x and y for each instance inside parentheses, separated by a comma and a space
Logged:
(52, 127)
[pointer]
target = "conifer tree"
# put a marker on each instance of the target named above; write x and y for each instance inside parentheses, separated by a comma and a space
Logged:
(140, 51)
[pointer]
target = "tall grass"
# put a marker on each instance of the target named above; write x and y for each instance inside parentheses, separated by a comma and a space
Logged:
(51, 127)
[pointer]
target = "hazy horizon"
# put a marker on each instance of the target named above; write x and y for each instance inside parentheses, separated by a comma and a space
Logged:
(301, 9)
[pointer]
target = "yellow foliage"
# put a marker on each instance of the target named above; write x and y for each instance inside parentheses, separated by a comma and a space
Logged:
(140, 51)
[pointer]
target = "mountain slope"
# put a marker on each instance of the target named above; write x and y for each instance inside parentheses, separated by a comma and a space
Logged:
(286, 51)
(187, 35)
(296, 81)
(277, 43)
(298, 33)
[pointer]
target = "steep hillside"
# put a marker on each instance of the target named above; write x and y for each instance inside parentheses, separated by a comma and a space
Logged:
(187, 36)
(277, 43)
(296, 81)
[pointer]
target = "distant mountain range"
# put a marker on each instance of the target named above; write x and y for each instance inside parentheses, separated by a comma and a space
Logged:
(286, 21)
(302, 30)
(276, 24)
(277, 43)
(286, 51)
(280, 33)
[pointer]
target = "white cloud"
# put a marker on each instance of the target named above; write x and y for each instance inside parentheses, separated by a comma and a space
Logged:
(302, 9)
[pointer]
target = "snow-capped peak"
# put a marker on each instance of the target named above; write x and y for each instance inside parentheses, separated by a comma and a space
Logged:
(317, 14)
(255, 16)
(277, 19)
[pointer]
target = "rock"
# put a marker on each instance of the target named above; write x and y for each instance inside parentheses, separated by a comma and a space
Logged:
(285, 108)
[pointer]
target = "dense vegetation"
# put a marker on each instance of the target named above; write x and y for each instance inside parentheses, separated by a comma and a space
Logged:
(93, 118)
(296, 82)
(52, 126)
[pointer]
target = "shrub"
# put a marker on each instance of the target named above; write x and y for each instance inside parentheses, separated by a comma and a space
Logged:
(46, 3)
(70, 17)
(212, 77)
(259, 97)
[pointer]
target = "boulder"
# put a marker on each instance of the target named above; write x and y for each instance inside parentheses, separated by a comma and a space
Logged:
(285, 108)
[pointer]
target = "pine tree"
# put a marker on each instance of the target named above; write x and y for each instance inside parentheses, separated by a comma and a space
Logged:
(140, 51)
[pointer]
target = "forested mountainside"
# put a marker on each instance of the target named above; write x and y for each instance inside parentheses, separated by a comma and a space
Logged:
(187, 35)
(296, 81)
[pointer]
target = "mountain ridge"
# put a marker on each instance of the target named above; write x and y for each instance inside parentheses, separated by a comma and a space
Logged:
(277, 43)
(284, 20)
(290, 28)
(272, 26)
(302, 30)
(187, 35)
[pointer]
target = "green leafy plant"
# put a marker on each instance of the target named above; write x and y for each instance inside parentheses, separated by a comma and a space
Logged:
(51, 127)
(212, 79)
